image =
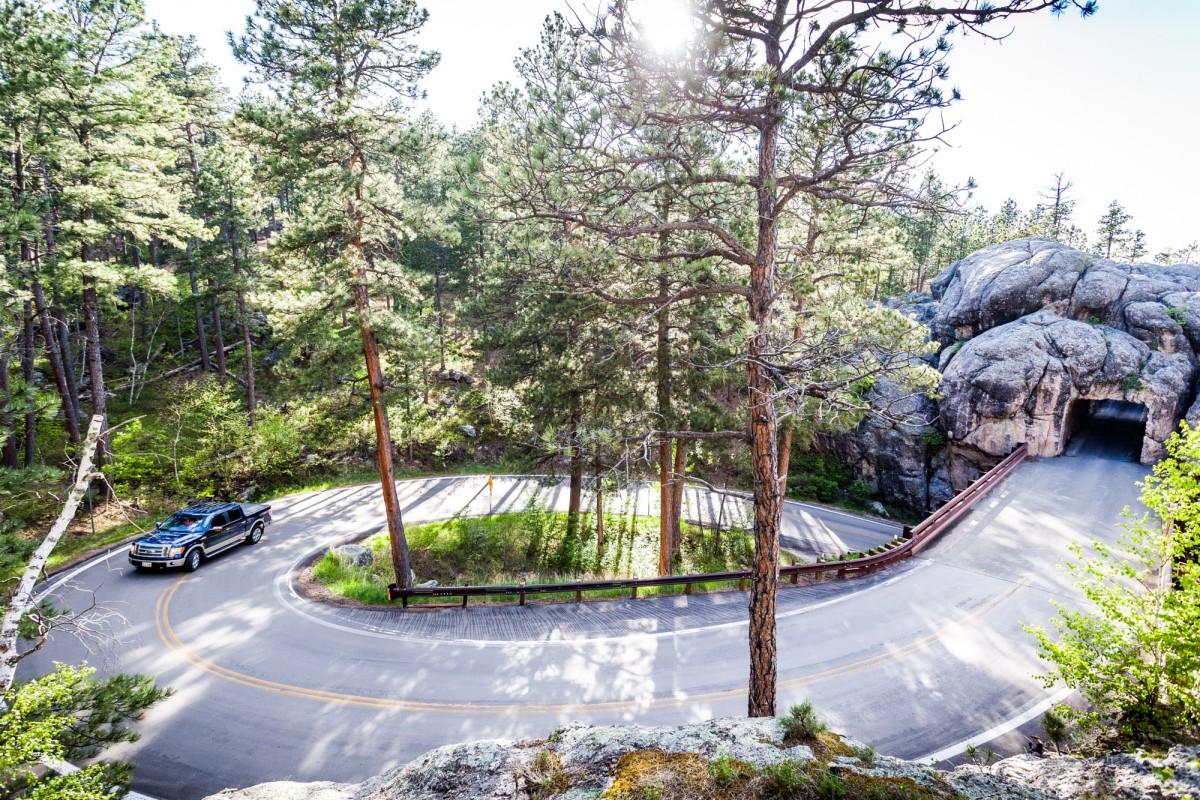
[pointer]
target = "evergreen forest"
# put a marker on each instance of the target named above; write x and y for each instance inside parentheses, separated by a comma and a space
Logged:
(638, 264)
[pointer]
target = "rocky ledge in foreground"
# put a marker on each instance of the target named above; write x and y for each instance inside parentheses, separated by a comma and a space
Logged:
(734, 758)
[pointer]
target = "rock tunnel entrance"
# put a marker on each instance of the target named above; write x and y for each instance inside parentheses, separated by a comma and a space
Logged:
(1106, 429)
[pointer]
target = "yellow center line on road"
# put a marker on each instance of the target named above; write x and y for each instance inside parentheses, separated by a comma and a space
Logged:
(166, 634)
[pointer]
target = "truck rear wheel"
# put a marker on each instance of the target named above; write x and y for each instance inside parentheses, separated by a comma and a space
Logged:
(255, 534)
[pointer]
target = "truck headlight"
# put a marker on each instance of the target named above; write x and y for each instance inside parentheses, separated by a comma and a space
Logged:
(175, 551)
(133, 549)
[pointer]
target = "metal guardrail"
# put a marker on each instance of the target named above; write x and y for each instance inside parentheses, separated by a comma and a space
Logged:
(913, 541)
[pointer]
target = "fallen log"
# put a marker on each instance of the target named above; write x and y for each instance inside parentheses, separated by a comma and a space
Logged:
(191, 367)
(22, 599)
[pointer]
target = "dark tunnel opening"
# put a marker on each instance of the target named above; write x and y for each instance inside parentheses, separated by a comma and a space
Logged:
(1106, 429)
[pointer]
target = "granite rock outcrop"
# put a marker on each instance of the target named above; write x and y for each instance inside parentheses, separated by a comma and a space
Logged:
(1033, 335)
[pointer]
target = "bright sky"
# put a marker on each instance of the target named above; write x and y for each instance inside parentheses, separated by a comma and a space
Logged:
(1111, 100)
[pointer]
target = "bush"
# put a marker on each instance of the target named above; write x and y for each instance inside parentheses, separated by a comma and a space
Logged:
(725, 770)
(784, 780)
(802, 725)
(815, 476)
(829, 786)
(275, 447)
(859, 492)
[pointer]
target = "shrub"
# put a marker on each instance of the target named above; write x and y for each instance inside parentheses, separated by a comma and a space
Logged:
(934, 439)
(802, 724)
(784, 780)
(829, 786)
(816, 476)
(274, 448)
(1054, 725)
(859, 492)
(1131, 383)
(544, 777)
(725, 770)
(866, 754)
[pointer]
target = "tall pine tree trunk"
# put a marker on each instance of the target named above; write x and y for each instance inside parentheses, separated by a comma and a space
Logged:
(664, 506)
(30, 389)
(54, 355)
(599, 507)
(54, 323)
(248, 349)
(785, 457)
(8, 427)
(190, 135)
(64, 344)
(243, 316)
(201, 334)
(677, 486)
(662, 369)
(383, 436)
(218, 333)
(91, 317)
(763, 442)
(575, 495)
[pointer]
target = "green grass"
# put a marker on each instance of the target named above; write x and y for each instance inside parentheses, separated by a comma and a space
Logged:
(532, 547)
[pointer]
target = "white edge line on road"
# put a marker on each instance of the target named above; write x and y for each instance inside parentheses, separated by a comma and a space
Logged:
(294, 602)
(1004, 727)
(85, 566)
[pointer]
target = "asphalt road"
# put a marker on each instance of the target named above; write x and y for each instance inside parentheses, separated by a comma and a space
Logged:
(270, 686)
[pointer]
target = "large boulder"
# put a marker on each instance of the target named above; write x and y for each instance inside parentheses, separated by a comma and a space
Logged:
(1020, 383)
(355, 555)
(582, 761)
(1159, 305)
(897, 449)
(1121, 776)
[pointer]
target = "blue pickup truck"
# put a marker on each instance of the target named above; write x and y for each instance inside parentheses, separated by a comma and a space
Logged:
(198, 532)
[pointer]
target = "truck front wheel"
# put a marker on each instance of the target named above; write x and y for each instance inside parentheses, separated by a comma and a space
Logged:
(191, 562)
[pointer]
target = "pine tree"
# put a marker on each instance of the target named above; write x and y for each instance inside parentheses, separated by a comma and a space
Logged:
(1112, 230)
(756, 77)
(70, 715)
(338, 72)
(111, 158)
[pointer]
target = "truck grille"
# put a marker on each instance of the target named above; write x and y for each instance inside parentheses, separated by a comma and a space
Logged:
(151, 550)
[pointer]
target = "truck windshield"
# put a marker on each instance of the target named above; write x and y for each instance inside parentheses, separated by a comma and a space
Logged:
(186, 522)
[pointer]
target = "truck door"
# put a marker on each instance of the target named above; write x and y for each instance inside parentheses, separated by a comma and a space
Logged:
(236, 527)
(219, 533)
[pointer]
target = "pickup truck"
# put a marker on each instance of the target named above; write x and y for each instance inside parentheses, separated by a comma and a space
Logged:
(198, 532)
